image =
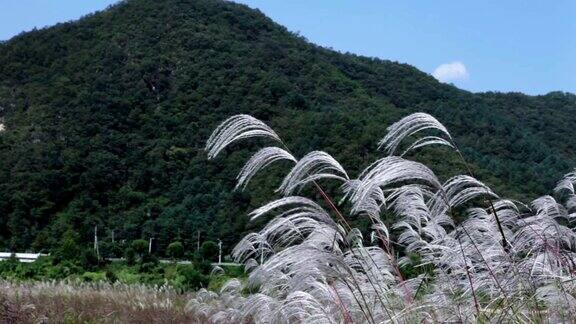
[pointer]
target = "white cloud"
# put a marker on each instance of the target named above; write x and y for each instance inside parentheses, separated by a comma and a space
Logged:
(451, 72)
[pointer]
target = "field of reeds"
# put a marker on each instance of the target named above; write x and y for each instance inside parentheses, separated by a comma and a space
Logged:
(472, 255)
(455, 251)
(75, 302)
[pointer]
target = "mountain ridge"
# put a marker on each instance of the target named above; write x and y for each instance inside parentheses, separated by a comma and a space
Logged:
(106, 118)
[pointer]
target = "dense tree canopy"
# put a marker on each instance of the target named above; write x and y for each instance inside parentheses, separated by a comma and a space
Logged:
(106, 119)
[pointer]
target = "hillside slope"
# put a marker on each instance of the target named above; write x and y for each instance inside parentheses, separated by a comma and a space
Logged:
(106, 118)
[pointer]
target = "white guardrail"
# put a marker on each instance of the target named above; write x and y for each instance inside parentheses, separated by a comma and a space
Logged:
(31, 257)
(22, 257)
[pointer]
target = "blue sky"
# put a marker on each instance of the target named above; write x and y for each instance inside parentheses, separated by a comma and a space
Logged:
(512, 45)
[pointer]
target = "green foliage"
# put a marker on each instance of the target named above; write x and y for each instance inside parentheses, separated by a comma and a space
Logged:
(139, 246)
(106, 119)
(218, 281)
(185, 277)
(175, 250)
(209, 251)
(69, 248)
(94, 276)
(111, 249)
(411, 271)
(130, 255)
(148, 263)
(190, 277)
(89, 259)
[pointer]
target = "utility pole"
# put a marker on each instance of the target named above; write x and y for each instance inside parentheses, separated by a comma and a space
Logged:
(198, 242)
(113, 237)
(150, 245)
(219, 251)
(96, 241)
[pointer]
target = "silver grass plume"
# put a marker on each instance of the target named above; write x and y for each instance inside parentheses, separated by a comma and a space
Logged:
(384, 173)
(259, 161)
(460, 189)
(313, 166)
(303, 206)
(567, 183)
(508, 212)
(409, 126)
(236, 128)
(566, 187)
(306, 267)
(425, 141)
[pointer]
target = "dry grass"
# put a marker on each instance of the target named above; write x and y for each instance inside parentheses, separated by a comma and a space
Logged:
(63, 302)
(505, 262)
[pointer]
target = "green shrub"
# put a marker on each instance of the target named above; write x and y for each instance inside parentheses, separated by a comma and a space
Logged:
(93, 276)
(217, 282)
(89, 259)
(128, 277)
(192, 278)
(184, 277)
(209, 251)
(235, 271)
(175, 250)
(62, 270)
(69, 248)
(111, 276)
(130, 255)
(110, 250)
(140, 246)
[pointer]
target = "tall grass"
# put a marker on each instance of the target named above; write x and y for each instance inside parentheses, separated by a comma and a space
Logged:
(505, 262)
(77, 302)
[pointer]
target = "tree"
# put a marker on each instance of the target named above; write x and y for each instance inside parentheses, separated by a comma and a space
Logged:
(139, 246)
(209, 250)
(69, 248)
(130, 255)
(175, 250)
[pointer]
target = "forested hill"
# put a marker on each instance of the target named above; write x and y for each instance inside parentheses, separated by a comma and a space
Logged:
(106, 117)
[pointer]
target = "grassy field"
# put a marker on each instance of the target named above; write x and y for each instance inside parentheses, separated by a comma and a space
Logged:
(50, 291)
(455, 252)
(61, 302)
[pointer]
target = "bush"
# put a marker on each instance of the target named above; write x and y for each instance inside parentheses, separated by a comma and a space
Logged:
(148, 263)
(235, 271)
(110, 250)
(93, 276)
(175, 250)
(128, 277)
(209, 251)
(69, 249)
(111, 276)
(62, 270)
(140, 246)
(130, 256)
(89, 259)
(192, 278)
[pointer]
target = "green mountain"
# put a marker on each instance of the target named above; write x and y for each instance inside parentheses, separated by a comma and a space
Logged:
(106, 117)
